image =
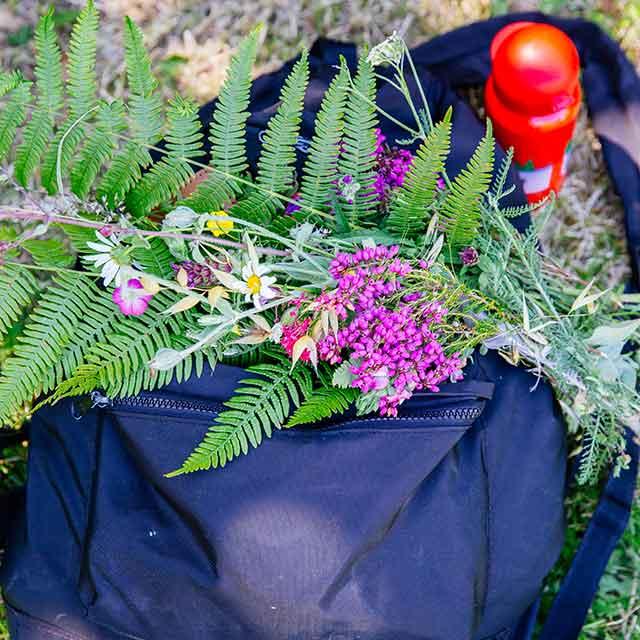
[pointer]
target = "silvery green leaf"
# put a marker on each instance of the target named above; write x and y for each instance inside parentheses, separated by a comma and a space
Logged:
(367, 402)
(196, 253)
(166, 359)
(180, 218)
(212, 320)
(342, 376)
(178, 248)
(614, 335)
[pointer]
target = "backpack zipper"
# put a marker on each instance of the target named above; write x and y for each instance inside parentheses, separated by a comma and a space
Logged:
(204, 407)
(100, 401)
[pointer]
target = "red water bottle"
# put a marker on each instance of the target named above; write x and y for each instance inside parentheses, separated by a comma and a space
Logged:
(533, 97)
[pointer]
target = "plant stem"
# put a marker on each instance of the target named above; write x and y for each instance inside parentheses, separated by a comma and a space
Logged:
(28, 215)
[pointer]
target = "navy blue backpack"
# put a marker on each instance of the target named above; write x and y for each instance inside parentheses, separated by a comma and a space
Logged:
(440, 524)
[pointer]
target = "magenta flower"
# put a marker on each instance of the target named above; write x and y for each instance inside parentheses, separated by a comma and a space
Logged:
(132, 298)
(393, 166)
(393, 348)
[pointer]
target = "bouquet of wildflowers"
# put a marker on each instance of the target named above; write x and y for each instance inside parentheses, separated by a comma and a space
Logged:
(370, 276)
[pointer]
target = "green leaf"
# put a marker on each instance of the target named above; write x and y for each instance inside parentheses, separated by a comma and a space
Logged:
(258, 406)
(278, 156)
(99, 147)
(18, 289)
(71, 315)
(410, 209)
(49, 253)
(145, 112)
(321, 170)
(39, 130)
(13, 115)
(81, 87)
(167, 177)
(358, 158)
(323, 403)
(460, 214)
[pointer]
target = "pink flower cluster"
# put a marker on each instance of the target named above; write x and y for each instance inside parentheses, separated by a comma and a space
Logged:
(393, 165)
(394, 350)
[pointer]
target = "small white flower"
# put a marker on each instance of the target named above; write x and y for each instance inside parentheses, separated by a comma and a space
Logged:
(390, 51)
(255, 283)
(108, 259)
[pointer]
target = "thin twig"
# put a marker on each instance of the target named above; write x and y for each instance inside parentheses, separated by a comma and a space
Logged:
(28, 215)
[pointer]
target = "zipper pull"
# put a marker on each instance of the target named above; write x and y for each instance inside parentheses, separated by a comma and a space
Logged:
(81, 406)
(99, 400)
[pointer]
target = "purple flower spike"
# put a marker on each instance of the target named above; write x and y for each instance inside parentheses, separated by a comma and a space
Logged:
(132, 298)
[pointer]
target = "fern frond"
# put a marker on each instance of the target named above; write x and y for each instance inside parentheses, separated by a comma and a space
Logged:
(276, 165)
(258, 406)
(118, 363)
(502, 174)
(227, 131)
(460, 213)
(49, 253)
(13, 115)
(71, 315)
(321, 167)
(278, 155)
(323, 403)
(81, 87)
(155, 259)
(18, 288)
(9, 80)
(145, 112)
(48, 72)
(358, 157)
(409, 210)
(167, 177)
(99, 148)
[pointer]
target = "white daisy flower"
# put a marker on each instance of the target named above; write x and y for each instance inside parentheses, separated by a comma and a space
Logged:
(108, 258)
(255, 283)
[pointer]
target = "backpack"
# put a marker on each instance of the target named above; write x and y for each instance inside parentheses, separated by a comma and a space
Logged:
(440, 524)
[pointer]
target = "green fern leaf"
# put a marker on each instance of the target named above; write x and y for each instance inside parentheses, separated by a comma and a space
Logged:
(409, 210)
(39, 130)
(49, 253)
(9, 80)
(323, 403)
(260, 405)
(118, 363)
(278, 156)
(227, 131)
(155, 259)
(167, 177)
(81, 87)
(320, 170)
(145, 112)
(71, 316)
(13, 115)
(461, 211)
(99, 148)
(358, 157)
(18, 288)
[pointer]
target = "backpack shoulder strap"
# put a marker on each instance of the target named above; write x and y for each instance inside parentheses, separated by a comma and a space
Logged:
(571, 604)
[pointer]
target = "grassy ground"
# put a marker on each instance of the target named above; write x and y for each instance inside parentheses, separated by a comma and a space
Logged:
(191, 42)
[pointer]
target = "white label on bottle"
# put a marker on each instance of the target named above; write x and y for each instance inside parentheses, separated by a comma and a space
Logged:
(535, 180)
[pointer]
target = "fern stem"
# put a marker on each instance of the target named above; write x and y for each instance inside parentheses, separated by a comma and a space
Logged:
(9, 213)
(387, 115)
(61, 145)
(420, 89)
(36, 267)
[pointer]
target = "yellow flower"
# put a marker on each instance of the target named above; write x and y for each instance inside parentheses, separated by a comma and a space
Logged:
(217, 226)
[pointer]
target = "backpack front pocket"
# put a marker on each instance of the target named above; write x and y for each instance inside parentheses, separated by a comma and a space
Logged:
(364, 526)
